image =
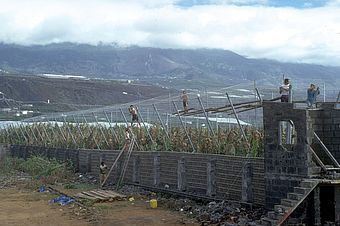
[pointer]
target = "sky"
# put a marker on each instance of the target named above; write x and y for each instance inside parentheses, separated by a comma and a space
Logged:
(298, 31)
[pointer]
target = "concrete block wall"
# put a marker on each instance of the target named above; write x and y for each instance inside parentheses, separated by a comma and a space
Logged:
(326, 124)
(58, 154)
(218, 176)
(285, 164)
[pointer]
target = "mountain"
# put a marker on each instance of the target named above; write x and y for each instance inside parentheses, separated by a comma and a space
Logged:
(171, 67)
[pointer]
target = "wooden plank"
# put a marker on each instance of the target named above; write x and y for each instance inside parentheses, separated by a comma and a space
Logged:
(105, 195)
(99, 195)
(93, 195)
(111, 195)
(114, 193)
(183, 112)
(84, 196)
(96, 194)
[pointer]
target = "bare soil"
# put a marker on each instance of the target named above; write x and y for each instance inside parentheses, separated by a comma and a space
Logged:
(26, 207)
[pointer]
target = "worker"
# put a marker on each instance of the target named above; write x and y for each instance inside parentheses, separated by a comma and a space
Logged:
(185, 100)
(134, 114)
(103, 172)
(285, 90)
(127, 138)
(312, 93)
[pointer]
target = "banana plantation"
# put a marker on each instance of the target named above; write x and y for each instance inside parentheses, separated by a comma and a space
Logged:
(228, 141)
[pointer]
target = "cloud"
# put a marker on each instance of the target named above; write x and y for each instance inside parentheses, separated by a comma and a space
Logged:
(256, 29)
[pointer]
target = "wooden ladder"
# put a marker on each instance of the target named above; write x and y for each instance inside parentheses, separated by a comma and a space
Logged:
(131, 145)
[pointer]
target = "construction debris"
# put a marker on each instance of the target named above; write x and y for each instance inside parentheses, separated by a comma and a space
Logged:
(207, 213)
(100, 195)
(62, 200)
(221, 213)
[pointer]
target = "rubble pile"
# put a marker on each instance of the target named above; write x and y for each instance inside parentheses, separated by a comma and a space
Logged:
(221, 213)
(85, 179)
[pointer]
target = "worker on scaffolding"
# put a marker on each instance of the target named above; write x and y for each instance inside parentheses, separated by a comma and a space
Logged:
(127, 136)
(134, 115)
(312, 93)
(185, 100)
(103, 172)
(285, 90)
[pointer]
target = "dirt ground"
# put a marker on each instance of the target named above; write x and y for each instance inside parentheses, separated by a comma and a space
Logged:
(25, 207)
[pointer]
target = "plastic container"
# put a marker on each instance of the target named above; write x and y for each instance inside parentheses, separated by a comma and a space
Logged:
(153, 203)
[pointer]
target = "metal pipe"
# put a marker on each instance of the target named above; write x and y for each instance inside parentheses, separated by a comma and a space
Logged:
(32, 131)
(16, 132)
(146, 129)
(318, 159)
(40, 135)
(112, 129)
(160, 120)
(70, 132)
(337, 101)
(80, 132)
(238, 122)
(28, 134)
(52, 129)
(46, 134)
(327, 151)
(127, 123)
(185, 130)
(91, 133)
(100, 129)
(22, 133)
(8, 137)
(289, 128)
(61, 132)
(206, 116)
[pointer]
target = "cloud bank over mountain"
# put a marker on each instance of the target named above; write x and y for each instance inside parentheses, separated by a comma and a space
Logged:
(304, 32)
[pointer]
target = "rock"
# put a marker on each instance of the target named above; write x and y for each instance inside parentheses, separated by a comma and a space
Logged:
(242, 221)
(228, 224)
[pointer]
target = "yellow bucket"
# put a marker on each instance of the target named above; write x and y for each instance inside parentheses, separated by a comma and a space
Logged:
(153, 203)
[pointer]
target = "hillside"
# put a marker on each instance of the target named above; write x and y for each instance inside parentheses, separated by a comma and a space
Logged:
(171, 67)
(75, 91)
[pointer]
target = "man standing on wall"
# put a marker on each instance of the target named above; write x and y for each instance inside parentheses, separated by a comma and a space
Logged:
(285, 90)
(312, 92)
(185, 100)
(127, 136)
(134, 114)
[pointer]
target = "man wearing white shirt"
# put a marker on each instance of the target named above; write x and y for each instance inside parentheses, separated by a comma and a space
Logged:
(284, 90)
